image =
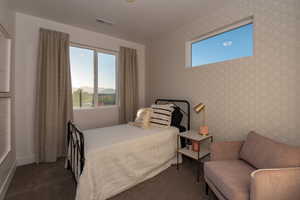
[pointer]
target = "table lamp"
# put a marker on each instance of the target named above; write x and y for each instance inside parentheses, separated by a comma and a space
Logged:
(203, 130)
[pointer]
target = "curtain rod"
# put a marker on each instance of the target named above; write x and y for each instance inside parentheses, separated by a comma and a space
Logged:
(93, 47)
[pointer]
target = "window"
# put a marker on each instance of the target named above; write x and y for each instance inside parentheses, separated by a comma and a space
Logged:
(93, 75)
(220, 46)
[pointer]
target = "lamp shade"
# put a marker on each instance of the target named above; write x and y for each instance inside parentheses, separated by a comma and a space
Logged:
(199, 107)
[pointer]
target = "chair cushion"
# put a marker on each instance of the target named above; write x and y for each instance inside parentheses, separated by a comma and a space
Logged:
(262, 153)
(230, 177)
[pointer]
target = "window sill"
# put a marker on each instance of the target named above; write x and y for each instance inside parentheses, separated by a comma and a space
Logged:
(96, 108)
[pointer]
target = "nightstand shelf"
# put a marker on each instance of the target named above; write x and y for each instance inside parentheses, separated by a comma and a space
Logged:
(192, 154)
(196, 155)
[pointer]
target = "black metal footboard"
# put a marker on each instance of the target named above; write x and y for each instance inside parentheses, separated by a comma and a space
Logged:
(75, 154)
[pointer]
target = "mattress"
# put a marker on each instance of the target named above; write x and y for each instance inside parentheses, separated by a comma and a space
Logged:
(122, 156)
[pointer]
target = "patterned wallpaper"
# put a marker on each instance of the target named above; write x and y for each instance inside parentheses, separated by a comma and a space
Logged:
(258, 93)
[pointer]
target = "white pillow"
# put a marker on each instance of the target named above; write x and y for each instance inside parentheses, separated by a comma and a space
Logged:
(161, 115)
(142, 119)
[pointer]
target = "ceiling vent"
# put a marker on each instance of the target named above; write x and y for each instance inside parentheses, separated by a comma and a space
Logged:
(104, 21)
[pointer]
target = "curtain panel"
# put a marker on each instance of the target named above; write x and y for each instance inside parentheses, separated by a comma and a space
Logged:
(54, 95)
(128, 84)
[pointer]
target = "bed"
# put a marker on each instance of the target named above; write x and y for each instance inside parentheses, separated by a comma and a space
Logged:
(107, 161)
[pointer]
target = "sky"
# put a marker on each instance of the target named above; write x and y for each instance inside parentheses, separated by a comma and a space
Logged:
(82, 68)
(232, 44)
(229, 45)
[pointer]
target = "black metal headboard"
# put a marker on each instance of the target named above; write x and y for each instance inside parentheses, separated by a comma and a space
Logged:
(186, 111)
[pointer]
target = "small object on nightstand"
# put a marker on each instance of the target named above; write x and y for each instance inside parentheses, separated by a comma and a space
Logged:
(195, 146)
(189, 146)
(195, 152)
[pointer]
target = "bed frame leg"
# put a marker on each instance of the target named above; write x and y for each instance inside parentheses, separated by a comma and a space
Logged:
(206, 188)
(68, 165)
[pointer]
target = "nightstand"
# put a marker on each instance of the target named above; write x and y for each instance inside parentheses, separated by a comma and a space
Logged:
(195, 136)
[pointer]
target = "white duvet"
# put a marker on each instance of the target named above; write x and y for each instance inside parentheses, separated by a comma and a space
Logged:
(120, 157)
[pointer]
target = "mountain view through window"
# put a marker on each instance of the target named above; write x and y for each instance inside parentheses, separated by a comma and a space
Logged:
(93, 78)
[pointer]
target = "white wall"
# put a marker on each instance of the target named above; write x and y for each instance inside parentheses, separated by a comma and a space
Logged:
(258, 93)
(27, 34)
(7, 167)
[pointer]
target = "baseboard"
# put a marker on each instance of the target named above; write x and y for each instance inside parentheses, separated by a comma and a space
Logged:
(25, 160)
(7, 181)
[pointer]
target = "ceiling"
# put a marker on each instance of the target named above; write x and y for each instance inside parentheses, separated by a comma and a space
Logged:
(139, 21)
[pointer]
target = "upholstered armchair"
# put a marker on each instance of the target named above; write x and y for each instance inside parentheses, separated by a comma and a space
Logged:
(257, 169)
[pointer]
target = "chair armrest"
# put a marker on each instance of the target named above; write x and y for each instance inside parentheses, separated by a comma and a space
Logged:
(225, 150)
(275, 184)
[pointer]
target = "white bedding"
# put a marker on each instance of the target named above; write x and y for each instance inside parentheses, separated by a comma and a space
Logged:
(122, 156)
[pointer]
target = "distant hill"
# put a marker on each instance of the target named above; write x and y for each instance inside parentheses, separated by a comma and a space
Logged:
(100, 90)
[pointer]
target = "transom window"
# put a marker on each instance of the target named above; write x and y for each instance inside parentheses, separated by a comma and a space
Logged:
(232, 42)
(94, 77)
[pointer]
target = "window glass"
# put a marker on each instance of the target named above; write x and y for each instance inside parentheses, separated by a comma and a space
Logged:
(232, 44)
(82, 73)
(106, 79)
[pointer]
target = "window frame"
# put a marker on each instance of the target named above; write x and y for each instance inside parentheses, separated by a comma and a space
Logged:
(97, 50)
(215, 32)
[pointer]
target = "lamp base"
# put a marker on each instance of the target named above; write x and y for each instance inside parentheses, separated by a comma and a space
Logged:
(203, 130)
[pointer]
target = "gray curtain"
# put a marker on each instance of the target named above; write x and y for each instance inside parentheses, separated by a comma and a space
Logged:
(128, 84)
(54, 95)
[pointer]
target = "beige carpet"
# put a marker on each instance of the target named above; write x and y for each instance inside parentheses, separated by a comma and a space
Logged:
(53, 182)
